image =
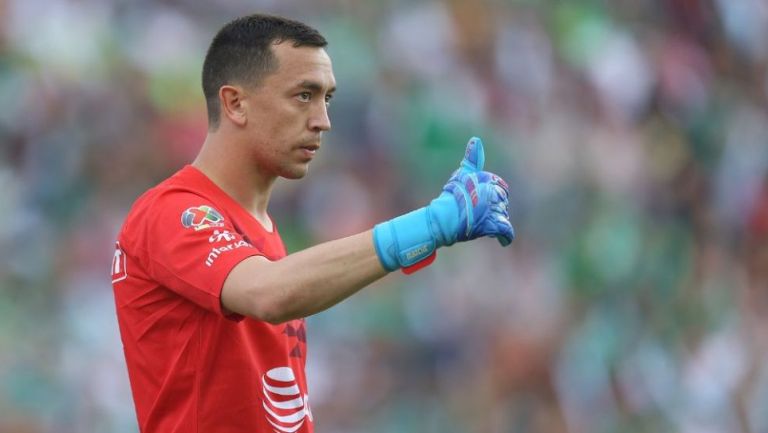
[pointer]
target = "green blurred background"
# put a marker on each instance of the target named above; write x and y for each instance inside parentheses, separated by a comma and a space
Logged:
(634, 137)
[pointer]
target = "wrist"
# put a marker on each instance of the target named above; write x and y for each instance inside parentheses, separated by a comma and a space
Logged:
(443, 213)
(411, 238)
(405, 240)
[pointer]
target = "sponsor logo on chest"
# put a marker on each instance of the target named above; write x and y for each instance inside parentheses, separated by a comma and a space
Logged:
(286, 406)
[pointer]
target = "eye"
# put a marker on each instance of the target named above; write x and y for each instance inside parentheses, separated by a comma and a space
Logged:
(328, 99)
(305, 96)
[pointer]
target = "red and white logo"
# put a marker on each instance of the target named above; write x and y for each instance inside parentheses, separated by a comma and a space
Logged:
(287, 409)
(119, 267)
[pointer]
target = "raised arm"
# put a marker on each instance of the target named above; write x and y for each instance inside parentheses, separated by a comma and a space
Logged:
(302, 283)
(472, 204)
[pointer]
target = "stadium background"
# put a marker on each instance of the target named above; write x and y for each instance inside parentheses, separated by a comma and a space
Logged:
(633, 133)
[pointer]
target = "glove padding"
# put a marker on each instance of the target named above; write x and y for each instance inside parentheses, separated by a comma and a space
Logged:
(473, 204)
(482, 198)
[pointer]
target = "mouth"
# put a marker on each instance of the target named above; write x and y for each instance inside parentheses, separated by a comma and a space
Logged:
(309, 150)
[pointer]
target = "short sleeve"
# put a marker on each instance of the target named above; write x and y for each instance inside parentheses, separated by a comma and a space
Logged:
(190, 246)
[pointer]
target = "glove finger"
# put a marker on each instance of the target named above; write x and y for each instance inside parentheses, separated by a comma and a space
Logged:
(507, 232)
(501, 209)
(474, 156)
(501, 193)
(499, 181)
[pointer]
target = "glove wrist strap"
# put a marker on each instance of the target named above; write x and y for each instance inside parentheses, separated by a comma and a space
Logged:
(405, 240)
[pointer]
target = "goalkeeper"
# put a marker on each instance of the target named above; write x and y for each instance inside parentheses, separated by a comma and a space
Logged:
(211, 309)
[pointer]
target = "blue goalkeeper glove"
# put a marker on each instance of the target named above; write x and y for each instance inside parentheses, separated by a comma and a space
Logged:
(473, 204)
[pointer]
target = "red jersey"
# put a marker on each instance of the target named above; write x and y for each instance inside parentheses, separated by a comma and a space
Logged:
(192, 368)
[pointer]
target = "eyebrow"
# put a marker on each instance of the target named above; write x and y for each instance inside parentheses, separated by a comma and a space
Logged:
(314, 86)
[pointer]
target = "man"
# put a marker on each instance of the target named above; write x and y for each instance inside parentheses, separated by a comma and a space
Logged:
(210, 307)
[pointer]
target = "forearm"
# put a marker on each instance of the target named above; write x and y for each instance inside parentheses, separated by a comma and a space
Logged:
(472, 204)
(303, 283)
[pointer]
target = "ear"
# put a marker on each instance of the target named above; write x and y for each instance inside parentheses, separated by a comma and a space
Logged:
(233, 105)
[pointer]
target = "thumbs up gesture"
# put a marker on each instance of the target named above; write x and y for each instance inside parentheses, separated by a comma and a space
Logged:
(482, 198)
(473, 204)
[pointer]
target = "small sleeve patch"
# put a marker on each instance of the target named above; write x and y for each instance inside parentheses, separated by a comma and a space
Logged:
(201, 217)
(119, 266)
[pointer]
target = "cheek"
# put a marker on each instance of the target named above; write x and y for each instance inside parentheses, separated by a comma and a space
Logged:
(277, 127)
(270, 113)
(289, 116)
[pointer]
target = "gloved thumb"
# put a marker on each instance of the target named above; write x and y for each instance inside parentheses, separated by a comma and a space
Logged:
(474, 157)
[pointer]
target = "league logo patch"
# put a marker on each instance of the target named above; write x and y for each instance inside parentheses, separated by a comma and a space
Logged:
(201, 217)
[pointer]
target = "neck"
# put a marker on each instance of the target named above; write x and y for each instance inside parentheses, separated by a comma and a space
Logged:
(226, 163)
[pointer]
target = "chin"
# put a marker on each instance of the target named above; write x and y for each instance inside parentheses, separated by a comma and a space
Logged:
(295, 173)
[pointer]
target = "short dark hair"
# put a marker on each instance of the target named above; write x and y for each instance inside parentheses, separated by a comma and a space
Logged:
(241, 52)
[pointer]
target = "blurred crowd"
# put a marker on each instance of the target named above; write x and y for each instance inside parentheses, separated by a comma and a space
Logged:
(634, 137)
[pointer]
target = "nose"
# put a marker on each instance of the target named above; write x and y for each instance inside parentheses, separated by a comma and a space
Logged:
(319, 121)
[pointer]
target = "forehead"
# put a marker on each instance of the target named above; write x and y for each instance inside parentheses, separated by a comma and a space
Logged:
(297, 64)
